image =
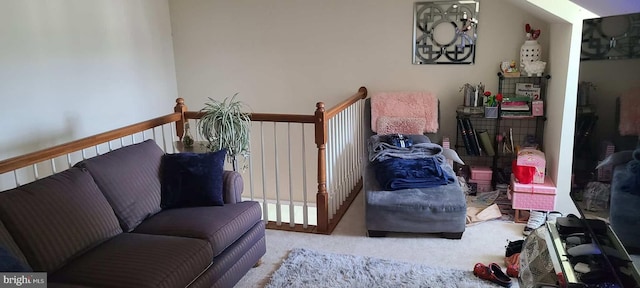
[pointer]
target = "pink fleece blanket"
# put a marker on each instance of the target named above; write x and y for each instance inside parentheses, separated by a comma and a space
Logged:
(405, 105)
(630, 112)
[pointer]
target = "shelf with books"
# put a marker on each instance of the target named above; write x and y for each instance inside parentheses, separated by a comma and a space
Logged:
(525, 114)
(475, 140)
(519, 124)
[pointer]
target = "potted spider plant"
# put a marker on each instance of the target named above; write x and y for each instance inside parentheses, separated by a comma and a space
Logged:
(224, 125)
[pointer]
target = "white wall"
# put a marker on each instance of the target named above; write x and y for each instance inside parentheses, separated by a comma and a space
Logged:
(283, 56)
(73, 68)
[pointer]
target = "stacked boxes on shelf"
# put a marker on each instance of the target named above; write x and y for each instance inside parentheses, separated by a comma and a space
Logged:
(482, 177)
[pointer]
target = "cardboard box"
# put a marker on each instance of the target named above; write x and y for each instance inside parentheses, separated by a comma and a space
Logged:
(533, 158)
(481, 173)
(534, 196)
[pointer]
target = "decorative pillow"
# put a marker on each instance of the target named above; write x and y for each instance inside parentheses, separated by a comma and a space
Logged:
(192, 179)
(400, 125)
(409, 104)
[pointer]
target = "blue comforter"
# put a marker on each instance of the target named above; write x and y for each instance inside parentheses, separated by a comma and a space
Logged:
(400, 173)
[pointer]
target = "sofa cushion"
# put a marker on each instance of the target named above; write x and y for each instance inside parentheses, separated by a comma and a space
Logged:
(220, 225)
(65, 210)
(129, 178)
(8, 243)
(138, 260)
(192, 179)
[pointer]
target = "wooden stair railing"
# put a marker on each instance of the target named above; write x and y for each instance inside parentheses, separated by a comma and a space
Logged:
(319, 119)
(39, 156)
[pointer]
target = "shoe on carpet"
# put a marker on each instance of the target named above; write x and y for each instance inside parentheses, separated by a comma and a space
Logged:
(492, 273)
(513, 265)
(513, 247)
(536, 219)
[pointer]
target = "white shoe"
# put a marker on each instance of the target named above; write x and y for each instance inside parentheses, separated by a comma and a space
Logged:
(536, 219)
(553, 215)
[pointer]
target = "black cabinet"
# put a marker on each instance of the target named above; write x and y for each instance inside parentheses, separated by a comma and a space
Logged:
(515, 127)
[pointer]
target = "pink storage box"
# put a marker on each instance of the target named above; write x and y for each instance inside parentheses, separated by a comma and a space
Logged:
(445, 143)
(483, 185)
(534, 158)
(537, 108)
(481, 173)
(533, 196)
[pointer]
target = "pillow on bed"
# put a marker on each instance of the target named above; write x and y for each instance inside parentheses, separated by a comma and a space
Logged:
(400, 125)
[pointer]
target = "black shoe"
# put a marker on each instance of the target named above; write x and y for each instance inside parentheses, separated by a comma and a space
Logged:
(513, 247)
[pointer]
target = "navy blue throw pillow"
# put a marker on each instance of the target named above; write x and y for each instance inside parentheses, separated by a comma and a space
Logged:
(192, 179)
(11, 263)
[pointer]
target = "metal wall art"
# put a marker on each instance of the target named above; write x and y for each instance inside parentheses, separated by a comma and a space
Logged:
(445, 32)
(615, 37)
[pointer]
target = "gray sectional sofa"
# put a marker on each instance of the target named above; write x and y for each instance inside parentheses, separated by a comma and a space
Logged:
(100, 224)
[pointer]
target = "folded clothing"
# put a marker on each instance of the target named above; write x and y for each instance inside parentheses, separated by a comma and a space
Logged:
(400, 140)
(400, 173)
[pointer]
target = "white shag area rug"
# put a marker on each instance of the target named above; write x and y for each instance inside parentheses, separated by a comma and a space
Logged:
(309, 268)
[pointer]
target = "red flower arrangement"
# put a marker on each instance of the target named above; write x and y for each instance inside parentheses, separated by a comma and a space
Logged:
(493, 100)
(532, 34)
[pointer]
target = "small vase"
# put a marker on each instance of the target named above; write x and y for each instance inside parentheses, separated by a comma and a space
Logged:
(187, 139)
(529, 51)
(490, 112)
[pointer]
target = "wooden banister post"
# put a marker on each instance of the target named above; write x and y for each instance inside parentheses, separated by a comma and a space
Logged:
(322, 198)
(180, 108)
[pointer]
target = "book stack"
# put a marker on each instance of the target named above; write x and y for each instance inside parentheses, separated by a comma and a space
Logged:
(515, 107)
(476, 143)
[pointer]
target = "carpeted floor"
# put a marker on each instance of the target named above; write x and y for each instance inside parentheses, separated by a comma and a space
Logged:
(484, 242)
(310, 268)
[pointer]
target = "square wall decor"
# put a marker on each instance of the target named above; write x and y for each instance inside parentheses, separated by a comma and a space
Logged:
(445, 32)
(613, 37)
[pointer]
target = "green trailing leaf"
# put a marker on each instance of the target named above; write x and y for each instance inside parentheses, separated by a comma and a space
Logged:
(225, 125)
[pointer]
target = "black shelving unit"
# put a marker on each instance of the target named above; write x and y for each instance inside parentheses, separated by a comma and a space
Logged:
(521, 128)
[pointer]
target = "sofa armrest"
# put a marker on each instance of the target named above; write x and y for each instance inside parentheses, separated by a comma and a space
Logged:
(232, 187)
